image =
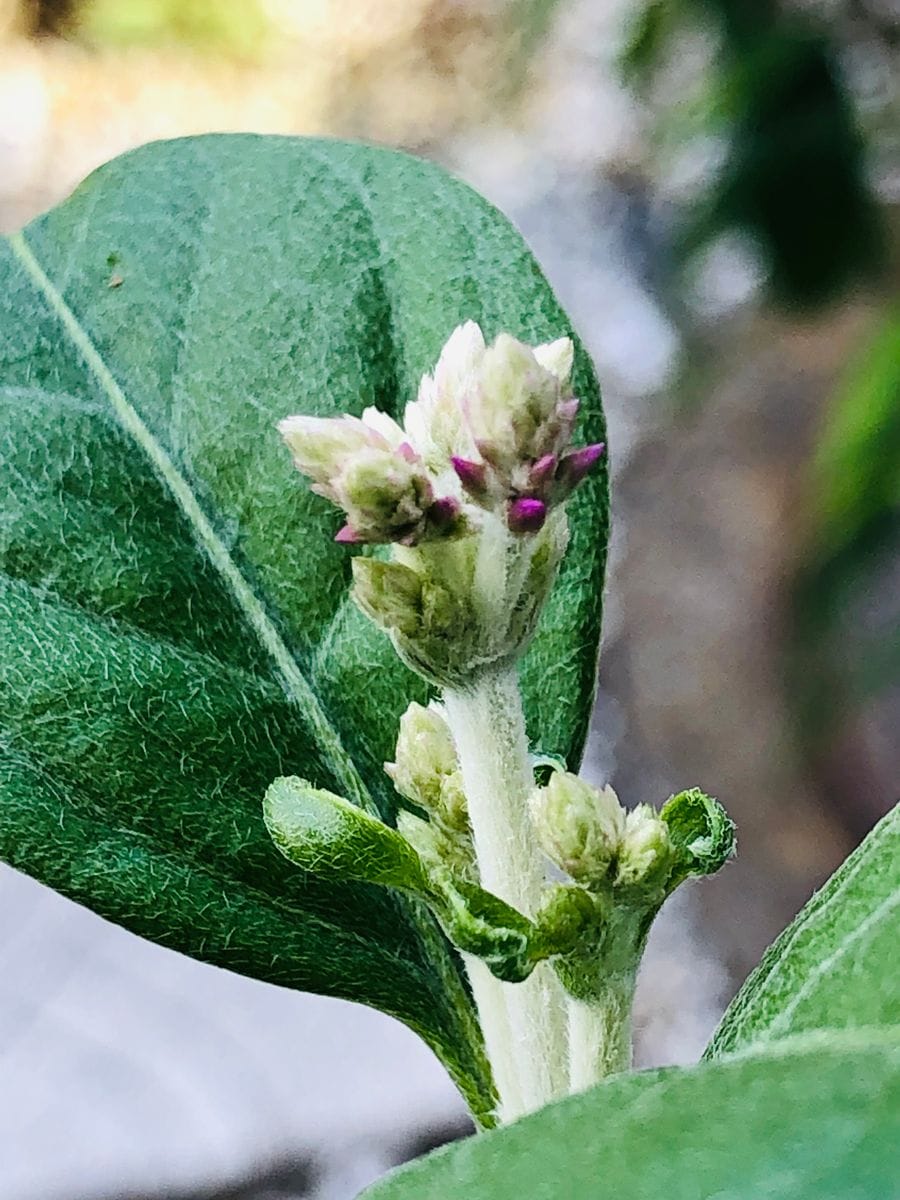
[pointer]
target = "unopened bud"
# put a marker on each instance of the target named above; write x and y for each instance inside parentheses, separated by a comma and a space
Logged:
(516, 400)
(580, 827)
(436, 420)
(322, 445)
(425, 756)
(646, 855)
(389, 593)
(385, 496)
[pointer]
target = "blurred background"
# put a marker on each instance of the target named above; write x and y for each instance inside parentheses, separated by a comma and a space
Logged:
(713, 188)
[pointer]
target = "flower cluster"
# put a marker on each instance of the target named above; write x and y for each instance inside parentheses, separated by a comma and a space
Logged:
(585, 831)
(490, 431)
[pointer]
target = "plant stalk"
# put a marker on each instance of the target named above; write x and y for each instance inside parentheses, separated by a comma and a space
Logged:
(524, 1023)
(600, 1041)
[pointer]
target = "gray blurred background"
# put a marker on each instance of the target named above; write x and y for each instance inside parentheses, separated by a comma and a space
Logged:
(712, 187)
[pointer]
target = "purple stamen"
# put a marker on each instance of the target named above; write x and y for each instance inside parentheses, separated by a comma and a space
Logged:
(526, 515)
(444, 512)
(472, 475)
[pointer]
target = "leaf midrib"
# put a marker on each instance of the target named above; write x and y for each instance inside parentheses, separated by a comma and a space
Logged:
(296, 685)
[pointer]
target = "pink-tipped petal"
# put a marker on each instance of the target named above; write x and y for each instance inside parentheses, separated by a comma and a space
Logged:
(472, 475)
(346, 534)
(579, 462)
(406, 451)
(542, 471)
(526, 515)
(567, 410)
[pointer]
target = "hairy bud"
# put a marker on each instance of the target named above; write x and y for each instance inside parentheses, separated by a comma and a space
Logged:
(646, 857)
(425, 756)
(580, 827)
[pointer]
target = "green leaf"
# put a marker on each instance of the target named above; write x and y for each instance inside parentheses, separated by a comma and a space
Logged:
(482, 924)
(334, 839)
(175, 628)
(815, 1121)
(835, 966)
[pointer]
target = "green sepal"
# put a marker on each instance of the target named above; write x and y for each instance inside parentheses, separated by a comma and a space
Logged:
(702, 834)
(330, 837)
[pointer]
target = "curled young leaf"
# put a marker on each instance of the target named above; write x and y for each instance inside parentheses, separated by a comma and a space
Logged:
(701, 832)
(330, 837)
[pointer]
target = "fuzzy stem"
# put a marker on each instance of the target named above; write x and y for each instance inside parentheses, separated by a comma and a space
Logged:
(600, 1034)
(524, 1023)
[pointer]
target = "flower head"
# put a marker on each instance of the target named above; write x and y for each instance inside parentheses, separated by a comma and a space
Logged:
(513, 452)
(368, 468)
(491, 429)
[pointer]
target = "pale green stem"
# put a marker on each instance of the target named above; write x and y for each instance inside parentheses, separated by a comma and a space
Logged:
(524, 1023)
(600, 1034)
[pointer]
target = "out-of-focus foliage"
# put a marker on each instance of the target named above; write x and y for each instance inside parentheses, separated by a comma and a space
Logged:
(237, 27)
(854, 536)
(794, 175)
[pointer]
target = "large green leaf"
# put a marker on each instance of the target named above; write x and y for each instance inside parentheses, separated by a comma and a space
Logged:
(175, 629)
(816, 1120)
(836, 966)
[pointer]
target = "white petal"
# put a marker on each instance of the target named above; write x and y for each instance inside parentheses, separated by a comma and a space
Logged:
(461, 354)
(384, 425)
(557, 357)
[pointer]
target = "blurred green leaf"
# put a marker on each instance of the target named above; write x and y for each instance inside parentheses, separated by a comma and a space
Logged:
(835, 967)
(814, 1120)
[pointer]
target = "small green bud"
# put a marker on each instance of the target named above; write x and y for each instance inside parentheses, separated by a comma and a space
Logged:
(386, 497)
(389, 593)
(646, 856)
(579, 827)
(425, 756)
(454, 809)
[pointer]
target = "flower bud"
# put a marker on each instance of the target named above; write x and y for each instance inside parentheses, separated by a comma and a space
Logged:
(425, 756)
(515, 408)
(580, 827)
(436, 421)
(321, 445)
(647, 854)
